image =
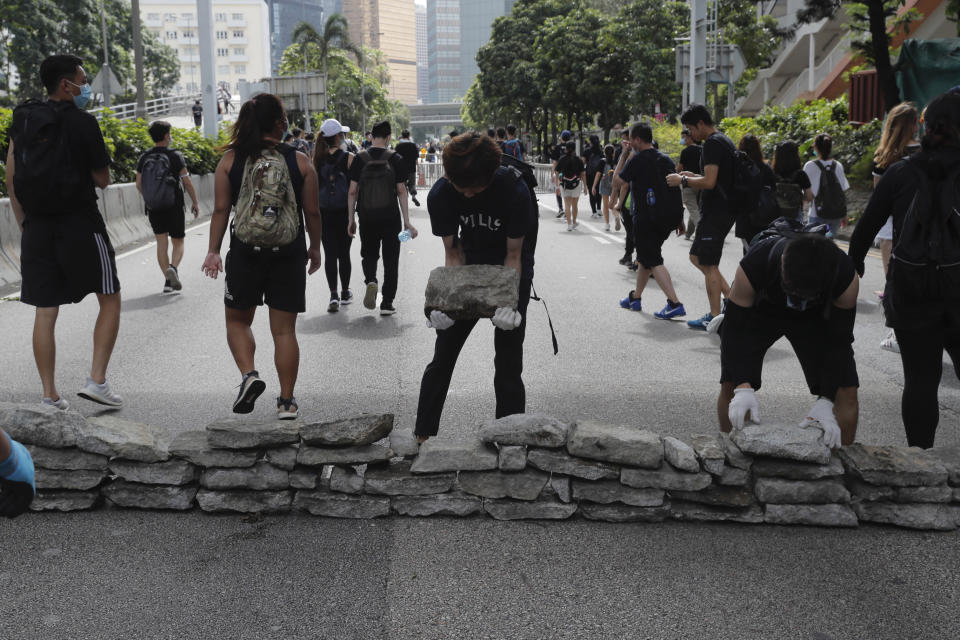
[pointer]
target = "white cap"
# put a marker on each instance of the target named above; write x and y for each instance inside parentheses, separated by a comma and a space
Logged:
(331, 127)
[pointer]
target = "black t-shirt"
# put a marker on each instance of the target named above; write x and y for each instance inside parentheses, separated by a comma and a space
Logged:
(409, 153)
(570, 166)
(690, 158)
(396, 162)
(642, 174)
(745, 229)
(484, 222)
(555, 153)
(177, 165)
(718, 149)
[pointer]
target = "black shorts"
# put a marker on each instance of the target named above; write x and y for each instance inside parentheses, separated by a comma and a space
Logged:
(254, 278)
(169, 221)
(64, 258)
(649, 239)
(711, 232)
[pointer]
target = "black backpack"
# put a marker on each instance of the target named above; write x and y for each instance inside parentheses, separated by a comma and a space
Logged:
(789, 196)
(785, 229)
(334, 183)
(747, 184)
(831, 201)
(45, 178)
(158, 185)
(767, 210)
(667, 211)
(595, 166)
(377, 195)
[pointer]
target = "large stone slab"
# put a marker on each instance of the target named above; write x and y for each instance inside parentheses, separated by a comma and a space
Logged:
(512, 458)
(345, 480)
(735, 457)
(172, 472)
(194, 447)
(733, 477)
(666, 477)
(818, 515)
(792, 470)
(76, 480)
(717, 496)
(356, 431)
(261, 477)
(521, 510)
(609, 491)
(396, 479)
(245, 501)
(782, 491)
(804, 444)
(693, 511)
(304, 478)
(404, 444)
(66, 459)
(949, 457)
(282, 457)
(559, 487)
(893, 466)
(939, 517)
(441, 504)
(317, 456)
(530, 429)
(132, 495)
(709, 451)
(471, 291)
(560, 462)
(41, 425)
(247, 433)
(341, 505)
(116, 437)
(437, 456)
(874, 493)
(64, 500)
(623, 513)
(680, 454)
(615, 443)
(523, 485)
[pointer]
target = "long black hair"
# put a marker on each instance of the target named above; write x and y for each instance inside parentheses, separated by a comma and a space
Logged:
(258, 116)
(786, 159)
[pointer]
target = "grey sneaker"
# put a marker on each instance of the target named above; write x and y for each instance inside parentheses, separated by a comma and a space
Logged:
(174, 277)
(250, 389)
(100, 393)
(60, 403)
(287, 409)
(370, 297)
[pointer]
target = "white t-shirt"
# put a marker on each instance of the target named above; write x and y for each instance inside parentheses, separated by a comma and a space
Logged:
(813, 172)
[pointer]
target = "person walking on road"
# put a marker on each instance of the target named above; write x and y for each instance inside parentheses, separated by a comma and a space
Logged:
(65, 250)
(750, 223)
(690, 160)
(161, 179)
(571, 176)
(828, 183)
(407, 149)
(603, 184)
(557, 152)
(333, 173)
(197, 110)
(593, 161)
(273, 191)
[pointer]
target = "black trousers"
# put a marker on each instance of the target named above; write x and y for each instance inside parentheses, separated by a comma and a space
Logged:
(508, 362)
(336, 249)
(922, 355)
(596, 203)
(627, 218)
(374, 233)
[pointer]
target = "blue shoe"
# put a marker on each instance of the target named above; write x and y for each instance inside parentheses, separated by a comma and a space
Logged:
(700, 323)
(630, 302)
(670, 311)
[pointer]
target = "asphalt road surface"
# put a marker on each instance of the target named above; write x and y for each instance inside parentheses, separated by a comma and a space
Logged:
(122, 574)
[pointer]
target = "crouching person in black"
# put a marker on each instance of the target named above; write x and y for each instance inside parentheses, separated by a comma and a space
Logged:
(805, 288)
(486, 215)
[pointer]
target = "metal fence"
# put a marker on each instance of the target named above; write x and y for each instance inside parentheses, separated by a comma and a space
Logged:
(429, 172)
(155, 107)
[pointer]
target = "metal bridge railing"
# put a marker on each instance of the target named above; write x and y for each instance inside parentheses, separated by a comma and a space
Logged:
(155, 107)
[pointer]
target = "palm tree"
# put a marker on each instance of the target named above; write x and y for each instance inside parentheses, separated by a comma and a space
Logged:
(335, 35)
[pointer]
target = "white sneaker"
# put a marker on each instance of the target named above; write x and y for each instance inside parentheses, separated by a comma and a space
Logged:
(608, 228)
(60, 403)
(714, 325)
(576, 224)
(100, 393)
(569, 227)
(890, 343)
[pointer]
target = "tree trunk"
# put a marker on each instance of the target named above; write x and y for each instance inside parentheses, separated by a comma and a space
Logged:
(881, 54)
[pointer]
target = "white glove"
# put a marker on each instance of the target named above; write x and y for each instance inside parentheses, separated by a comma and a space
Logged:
(439, 320)
(506, 318)
(822, 415)
(744, 402)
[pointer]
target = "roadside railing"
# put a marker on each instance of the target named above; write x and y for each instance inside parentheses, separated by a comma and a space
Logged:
(429, 172)
(155, 107)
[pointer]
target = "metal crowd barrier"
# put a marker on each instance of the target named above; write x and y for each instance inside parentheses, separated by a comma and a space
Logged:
(429, 172)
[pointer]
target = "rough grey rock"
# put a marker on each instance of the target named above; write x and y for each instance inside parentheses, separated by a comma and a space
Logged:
(116, 437)
(680, 455)
(956, 494)
(437, 456)
(560, 462)
(148, 496)
(194, 447)
(64, 500)
(940, 517)
(172, 472)
(781, 491)
(396, 479)
(441, 504)
(345, 480)
(666, 477)
(623, 513)
(949, 457)
(873, 493)
(710, 452)
(562, 487)
(702, 512)
(244, 501)
(356, 431)
(78, 480)
(607, 491)
(41, 425)
(341, 505)
(614, 443)
(893, 466)
(283, 457)
(245, 433)
(735, 457)
(523, 485)
(512, 458)
(471, 291)
(531, 429)
(66, 459)
(734, 477)
(304, 478)
(404, 444)
(818, 515)
(261, 477)
(717, 496)
(804, 444)
(316, 456)
(797, 470)
(521, 510)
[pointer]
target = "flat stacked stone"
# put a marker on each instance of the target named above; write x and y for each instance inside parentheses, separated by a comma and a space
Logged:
(710, 452)
(666, 477)
(793, 470)
(356, 431)
(820, 515)
(522, 485)
(512, 457)
(695, 511)
(802, 444)
(125, 439)
(611, 491)
(439, 456)
(261, 477)
(41, 425)
(617, 512)
(506, 509)
(616, 444)
(318, 456)
(171, 472)
(345, 479)
(526, 429)
(341, 505)
(243, 433)
(136, 495)
(53, 500)
(440, 504)
(397, 479)
(562, 463)
(245, 501)
(194, 446)
(680, 455)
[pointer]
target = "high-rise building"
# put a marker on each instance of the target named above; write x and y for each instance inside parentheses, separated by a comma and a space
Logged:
(284, 16)
(423, 67)
(476, 20)
(388, 25)
(241, 38)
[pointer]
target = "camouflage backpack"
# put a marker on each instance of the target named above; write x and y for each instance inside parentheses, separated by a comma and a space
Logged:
(266, 213)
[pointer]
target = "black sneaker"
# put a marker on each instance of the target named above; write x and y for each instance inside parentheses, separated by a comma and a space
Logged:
(560, 215)
(346, 296)
(166, 287)
(387, 308)
(250, 389)
(416, 202)
(173, 276)
(625, 260)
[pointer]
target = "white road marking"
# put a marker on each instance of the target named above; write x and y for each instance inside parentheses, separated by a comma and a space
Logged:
(599, 231)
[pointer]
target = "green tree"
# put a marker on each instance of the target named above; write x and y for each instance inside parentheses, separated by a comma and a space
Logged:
(335, 36)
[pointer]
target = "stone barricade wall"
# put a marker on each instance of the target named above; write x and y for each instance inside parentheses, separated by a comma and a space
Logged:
(527, 466)
(122, 210)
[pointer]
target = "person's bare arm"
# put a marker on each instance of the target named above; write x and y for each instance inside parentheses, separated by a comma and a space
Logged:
(188, 185)
(452, 252)
(212, 264)
(405, 208)
(140, 182)
(14, 202)
(808, 195)
(310, 198)
(514, 252)
(101, 177)
(703, 183)
(352, 207)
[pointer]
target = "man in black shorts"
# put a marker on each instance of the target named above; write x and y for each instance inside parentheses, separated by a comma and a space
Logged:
(804, 288)
(409, 153)
(716, 218)
(168, 222)
(65, 251)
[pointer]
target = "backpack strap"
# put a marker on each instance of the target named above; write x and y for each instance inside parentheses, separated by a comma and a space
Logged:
(296, 177)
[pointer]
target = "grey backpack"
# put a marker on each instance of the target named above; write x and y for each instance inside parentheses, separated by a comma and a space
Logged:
(157, 182)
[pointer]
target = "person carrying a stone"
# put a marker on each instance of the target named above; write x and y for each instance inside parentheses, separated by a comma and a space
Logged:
(17, 487)
(485, 214)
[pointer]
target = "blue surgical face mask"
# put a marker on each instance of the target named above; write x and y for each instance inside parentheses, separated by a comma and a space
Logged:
(85, 92)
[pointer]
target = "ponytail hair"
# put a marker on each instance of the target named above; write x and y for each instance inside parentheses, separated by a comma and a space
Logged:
(258, 116)
(321, 149)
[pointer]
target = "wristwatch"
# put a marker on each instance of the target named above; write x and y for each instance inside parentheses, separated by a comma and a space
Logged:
(683, 181)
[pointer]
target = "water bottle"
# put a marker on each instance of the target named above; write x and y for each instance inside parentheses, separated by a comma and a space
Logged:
(404, 235)
(651, 198)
